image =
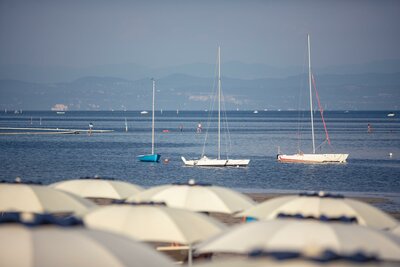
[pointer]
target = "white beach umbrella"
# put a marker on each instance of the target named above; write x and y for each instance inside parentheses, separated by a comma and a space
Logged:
(98, 188)
(317, 205)
(197, 197)
(304, 236)
(40, 199)
(262, 262)
(154, 223)
(43, 246)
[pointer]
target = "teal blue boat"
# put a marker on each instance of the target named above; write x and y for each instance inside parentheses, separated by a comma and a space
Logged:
(153, 157)
(150, 158)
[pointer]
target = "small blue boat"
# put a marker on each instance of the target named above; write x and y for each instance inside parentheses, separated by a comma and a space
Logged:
(153, 157)
(149, 158)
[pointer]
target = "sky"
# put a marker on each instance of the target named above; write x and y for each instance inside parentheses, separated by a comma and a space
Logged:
(173, 32)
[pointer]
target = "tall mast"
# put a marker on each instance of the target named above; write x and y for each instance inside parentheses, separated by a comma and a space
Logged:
(152, 124)
(219, 102)
(311, 98)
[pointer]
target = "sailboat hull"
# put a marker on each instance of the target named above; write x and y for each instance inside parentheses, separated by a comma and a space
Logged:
(314, 158)
(207, 162)
(149, 158)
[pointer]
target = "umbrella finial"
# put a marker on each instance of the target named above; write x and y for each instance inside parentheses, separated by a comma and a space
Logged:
(191, 182)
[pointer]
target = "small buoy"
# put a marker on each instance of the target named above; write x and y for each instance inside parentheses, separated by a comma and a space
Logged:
(166, 160)
(390, 154)
(18, 179)
(191, 182)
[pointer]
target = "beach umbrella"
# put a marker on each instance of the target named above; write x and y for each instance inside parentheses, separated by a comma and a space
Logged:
(265, 262)
(154, 223)
(98, 188)
(322, 205)
(197, 197)
(304, 236)
(42, 246)
(40, 199)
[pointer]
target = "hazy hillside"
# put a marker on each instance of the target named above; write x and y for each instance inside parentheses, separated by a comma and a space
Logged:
(179, 91)
(130, 71)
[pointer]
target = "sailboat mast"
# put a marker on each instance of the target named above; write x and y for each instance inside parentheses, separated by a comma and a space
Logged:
(152, 123)
(219, 102)
(311, 98)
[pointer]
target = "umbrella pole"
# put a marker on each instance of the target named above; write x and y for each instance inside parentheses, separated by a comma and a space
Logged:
(190, 256)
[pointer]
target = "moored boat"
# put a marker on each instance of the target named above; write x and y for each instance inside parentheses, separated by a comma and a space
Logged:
(153, 157)
(314, 157)
(205, 161)
(208, 162)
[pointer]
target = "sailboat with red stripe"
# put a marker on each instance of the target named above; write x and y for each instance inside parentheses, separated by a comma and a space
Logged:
(314, 157)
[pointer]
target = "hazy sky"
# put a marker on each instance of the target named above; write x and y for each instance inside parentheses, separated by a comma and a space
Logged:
(172, 32)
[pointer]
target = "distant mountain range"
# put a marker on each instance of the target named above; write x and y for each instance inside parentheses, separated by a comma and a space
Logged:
(238, 70)
(179, 90)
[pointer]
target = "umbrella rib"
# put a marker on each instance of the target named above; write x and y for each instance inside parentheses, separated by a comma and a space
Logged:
(42, 208)
(182, 236)
(113, 191)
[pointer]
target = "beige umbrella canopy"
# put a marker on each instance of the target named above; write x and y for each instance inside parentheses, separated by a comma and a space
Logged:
(304, 236)
(318, 205)
(50, 246)
(154, 223)
(197, 197)
(262, 262)
(40, 199)
(98, 188)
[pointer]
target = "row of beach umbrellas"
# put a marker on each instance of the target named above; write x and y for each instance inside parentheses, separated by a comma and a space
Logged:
(306, 224)
(71, 196)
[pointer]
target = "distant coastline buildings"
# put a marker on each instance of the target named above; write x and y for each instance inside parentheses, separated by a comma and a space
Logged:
(59, 107)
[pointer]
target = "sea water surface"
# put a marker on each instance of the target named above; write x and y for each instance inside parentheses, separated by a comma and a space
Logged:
(51, 158)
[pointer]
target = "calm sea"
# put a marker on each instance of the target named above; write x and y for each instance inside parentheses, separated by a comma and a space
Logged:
(51, 158)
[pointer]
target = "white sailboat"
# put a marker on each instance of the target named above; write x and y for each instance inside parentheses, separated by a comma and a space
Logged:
(314, 157)
(218, 161)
